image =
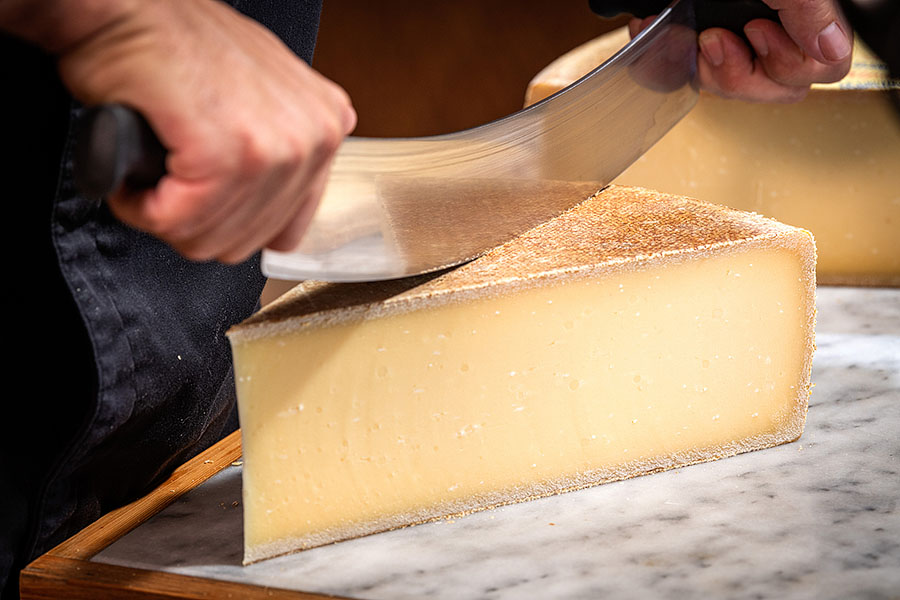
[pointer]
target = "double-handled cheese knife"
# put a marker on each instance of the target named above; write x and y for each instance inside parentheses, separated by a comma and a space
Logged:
(398, 207)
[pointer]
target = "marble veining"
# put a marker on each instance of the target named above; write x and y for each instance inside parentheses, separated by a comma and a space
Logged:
(818, 518)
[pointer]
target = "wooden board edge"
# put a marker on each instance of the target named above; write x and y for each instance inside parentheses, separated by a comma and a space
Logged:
(113, 525)
(53, 577)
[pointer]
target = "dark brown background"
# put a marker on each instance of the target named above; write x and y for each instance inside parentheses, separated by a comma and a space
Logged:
(420, 67)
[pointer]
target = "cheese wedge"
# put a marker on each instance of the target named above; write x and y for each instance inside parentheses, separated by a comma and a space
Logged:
(634, 333)
(828, 164)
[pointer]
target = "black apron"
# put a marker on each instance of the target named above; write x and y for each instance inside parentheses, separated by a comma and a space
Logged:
(121, 369)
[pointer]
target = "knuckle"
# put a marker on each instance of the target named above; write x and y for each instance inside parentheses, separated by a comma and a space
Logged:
(325, 140)
(297, 151)
(253, 154)
(730, 85)
(339, 95)
(784, 73)
(331, 138)
(342, 107)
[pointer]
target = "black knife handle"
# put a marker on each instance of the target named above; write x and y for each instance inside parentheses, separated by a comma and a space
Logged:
(115, 146)
(727, 14)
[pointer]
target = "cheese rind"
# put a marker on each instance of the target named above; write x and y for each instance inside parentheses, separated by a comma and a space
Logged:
(636, 332)
(827, 164)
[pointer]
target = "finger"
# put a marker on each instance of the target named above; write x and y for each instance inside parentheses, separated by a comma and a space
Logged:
(177, 210)
(296, 192)
(727, 67)
(348, 114)
(190, 237)
(637, 25)
(784, 61)
(266, 208)
(236, 227)
(818, 27)
(128, 206)
(251, 230)
(290, 237)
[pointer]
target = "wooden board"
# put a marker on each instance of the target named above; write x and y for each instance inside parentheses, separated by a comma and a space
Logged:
(66, 571)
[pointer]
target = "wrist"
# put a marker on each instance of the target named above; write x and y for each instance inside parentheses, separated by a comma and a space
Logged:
(56, 25)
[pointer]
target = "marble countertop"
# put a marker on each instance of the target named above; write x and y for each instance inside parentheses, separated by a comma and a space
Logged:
(817, 518)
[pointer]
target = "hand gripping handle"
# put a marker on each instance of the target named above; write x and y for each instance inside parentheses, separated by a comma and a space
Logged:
(727, 14)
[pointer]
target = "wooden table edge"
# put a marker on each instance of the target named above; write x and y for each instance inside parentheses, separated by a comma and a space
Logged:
(94, 538)
(52, 577)
(66, 571)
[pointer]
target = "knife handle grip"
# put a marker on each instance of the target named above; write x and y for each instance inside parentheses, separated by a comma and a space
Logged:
(114, 147)
(727, 14)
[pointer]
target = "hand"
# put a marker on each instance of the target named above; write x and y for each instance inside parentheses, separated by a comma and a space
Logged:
(250, 128)
(812, 44)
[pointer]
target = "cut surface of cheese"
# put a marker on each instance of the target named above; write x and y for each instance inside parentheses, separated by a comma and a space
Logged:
(634, 333)
(827, 164)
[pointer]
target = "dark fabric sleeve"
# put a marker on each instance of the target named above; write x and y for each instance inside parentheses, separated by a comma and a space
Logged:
(121, 341)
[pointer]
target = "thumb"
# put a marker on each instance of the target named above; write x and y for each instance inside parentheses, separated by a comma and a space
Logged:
(818, 27)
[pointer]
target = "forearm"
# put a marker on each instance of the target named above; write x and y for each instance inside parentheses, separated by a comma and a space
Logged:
(58, 25)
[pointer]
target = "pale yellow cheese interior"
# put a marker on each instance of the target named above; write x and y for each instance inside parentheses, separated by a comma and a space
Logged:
(828, 164)
(360, 422)
(385, 418)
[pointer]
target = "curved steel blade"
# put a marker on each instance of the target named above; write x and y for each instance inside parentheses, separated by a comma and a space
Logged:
(398, 207)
